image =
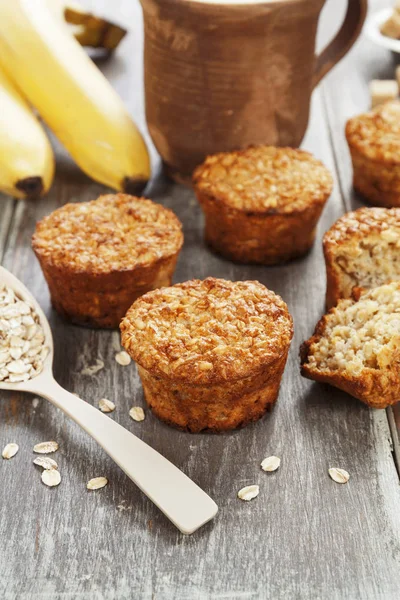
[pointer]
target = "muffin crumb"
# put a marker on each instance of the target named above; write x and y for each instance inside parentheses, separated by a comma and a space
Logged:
(355, 346)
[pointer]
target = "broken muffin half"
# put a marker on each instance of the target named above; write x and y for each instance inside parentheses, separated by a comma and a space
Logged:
(356, 347)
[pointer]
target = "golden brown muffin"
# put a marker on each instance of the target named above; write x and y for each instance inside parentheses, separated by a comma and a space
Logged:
(374, 142)
(210, 353)
(262, 205)
(356, 347)
(362, 250)
(98, 257)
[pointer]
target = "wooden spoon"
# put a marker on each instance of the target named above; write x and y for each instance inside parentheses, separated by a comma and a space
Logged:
(177, 496)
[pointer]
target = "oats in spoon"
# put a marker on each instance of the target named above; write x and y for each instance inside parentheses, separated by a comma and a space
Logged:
(22, 341)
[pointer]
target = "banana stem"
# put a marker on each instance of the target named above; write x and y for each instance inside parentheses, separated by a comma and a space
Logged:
(32, 187)
(134, 185)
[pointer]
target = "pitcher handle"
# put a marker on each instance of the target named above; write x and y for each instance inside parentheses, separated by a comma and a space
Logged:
(344, 39)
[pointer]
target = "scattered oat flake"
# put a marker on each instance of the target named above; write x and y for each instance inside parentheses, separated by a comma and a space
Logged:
(45, 447)
(339, 475)
(93, 369)
(35, 402)
(137, 413)
(51, 477)
(97, 483)
(106, 406)
(249, 492)
(10, 450)
(46, 462)
(123, 506)
(123, 358)
(271, 463)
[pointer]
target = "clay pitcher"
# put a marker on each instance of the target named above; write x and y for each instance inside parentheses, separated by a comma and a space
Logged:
(224, 74)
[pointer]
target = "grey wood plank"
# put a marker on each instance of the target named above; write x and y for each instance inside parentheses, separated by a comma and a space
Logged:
(346, 94)
(6, 212)
(303, 537)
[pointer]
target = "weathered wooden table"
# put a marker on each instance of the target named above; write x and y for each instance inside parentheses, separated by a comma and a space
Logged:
(304, 536)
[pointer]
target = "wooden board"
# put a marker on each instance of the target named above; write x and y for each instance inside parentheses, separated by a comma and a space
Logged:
(304, 536)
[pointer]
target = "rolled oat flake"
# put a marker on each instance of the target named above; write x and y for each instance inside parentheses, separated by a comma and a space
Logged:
(137, 413)
(45, 447)
(93, 369)
(123, 358)
(249, 492)
(339, 475)
(97, 483)
(270, 464)
(10, 450)
(106, 406)
(51, 477)
(46, 463)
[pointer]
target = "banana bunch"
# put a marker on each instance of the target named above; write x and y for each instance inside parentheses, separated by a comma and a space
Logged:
(46, 67)
(26, 157)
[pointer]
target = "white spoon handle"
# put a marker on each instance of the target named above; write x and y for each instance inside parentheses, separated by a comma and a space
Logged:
(177, 496)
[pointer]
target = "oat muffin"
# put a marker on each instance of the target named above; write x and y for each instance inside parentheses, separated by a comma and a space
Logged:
(210, 353)
(356, 346)
(374, 142)
(362, 249)
(262, 205)
(98, 257)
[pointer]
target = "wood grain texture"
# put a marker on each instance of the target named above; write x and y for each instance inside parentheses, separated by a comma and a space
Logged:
(6, 213)
(304, 536)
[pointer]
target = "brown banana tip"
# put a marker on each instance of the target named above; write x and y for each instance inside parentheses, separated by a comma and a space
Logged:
(134, 186)
(31, 186)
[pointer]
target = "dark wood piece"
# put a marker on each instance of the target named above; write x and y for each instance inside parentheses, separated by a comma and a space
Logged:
(304, 537)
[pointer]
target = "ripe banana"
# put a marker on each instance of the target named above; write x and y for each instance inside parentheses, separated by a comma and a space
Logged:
(73, 97)
(26, 157)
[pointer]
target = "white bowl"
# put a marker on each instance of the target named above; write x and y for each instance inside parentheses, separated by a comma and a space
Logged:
(372, 30)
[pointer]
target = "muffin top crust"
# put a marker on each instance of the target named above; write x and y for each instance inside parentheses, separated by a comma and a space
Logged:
(376, 134)
(113, 233)
(356, 225)
(206, 332)
(264, 180)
